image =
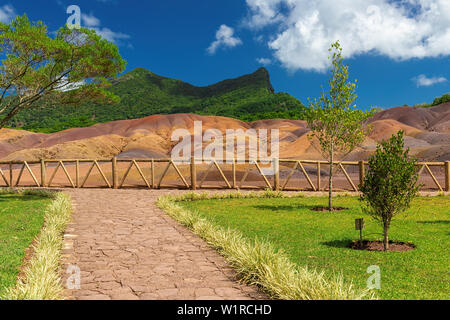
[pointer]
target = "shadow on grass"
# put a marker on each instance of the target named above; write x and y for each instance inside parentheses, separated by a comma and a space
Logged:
(339, 243)
(9, 197)
(292, 208)
(435, 222)
(284, 208)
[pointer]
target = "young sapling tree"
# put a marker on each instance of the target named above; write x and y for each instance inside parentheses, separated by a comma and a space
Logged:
(390, 183)
(334, 120)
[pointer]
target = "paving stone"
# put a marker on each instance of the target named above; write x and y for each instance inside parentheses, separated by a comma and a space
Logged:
(94, 297)
(228, 292)
(204, 292)
(209, 298)
(149, 296)
(166, 293)
(125, 296)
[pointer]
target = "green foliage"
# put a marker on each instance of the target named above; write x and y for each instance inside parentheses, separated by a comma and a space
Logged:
(440, 100)
(39, 70)
(391, 182)
(143, 93)
(335, 122)
(437, 101)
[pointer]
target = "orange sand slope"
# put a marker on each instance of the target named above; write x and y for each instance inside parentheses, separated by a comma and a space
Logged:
(427, 134)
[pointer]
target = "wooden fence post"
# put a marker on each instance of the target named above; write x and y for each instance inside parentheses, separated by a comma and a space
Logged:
(77, 173)
(234, 173)
(11, 174)
(43, 174)
(276, 177)
(115, 177)
(318, 176)
(153, 174)
(193, 174)
(447, 176)
(362, 172)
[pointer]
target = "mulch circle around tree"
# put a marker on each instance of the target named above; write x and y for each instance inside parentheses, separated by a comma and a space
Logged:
(379, 246)
(325, 209)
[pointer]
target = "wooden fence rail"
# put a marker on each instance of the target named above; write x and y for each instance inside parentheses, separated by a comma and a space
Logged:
(116, 178)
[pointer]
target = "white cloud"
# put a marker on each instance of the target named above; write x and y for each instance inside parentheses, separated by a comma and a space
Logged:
(94, 23)
(224, 38)
(264, 61)
(7, 13)
(89, 20)
(302, 30)
(110, 35)
(423, 81)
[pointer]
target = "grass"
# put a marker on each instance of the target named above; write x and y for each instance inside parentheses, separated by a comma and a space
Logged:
(258, 262)
(21, 220)
(41, 280)
(319, 240)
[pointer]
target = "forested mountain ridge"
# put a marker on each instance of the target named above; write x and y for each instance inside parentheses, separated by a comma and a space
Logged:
(143, 93)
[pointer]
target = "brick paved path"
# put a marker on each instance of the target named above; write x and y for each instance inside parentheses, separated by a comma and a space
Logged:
(127, 248)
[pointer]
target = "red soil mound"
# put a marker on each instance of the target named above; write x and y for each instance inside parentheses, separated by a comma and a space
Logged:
(432, 119)
(427, 130)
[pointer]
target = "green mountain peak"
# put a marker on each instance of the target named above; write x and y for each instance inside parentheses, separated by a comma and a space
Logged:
(143, 93)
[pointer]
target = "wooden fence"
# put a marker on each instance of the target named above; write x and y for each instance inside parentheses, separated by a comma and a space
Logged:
(198, 172)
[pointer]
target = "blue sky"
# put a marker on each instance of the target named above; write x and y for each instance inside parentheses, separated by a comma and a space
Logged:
(398, 50)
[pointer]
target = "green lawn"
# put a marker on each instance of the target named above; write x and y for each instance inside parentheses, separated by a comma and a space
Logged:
(320, 239)
(21, 219)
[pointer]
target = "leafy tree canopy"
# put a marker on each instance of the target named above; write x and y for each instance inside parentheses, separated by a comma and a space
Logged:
(41, 70)
(437, 101)
(440, 100)
(334, 119)
(391, 182)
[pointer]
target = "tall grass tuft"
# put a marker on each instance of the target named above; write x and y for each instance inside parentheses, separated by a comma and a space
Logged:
(258, 263)
(41, 279)
(269, 194)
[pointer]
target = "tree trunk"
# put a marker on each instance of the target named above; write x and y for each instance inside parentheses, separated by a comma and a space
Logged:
(330, 181)
(386, 236)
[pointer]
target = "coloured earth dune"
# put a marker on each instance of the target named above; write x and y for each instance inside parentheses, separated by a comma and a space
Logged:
(427, 135)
